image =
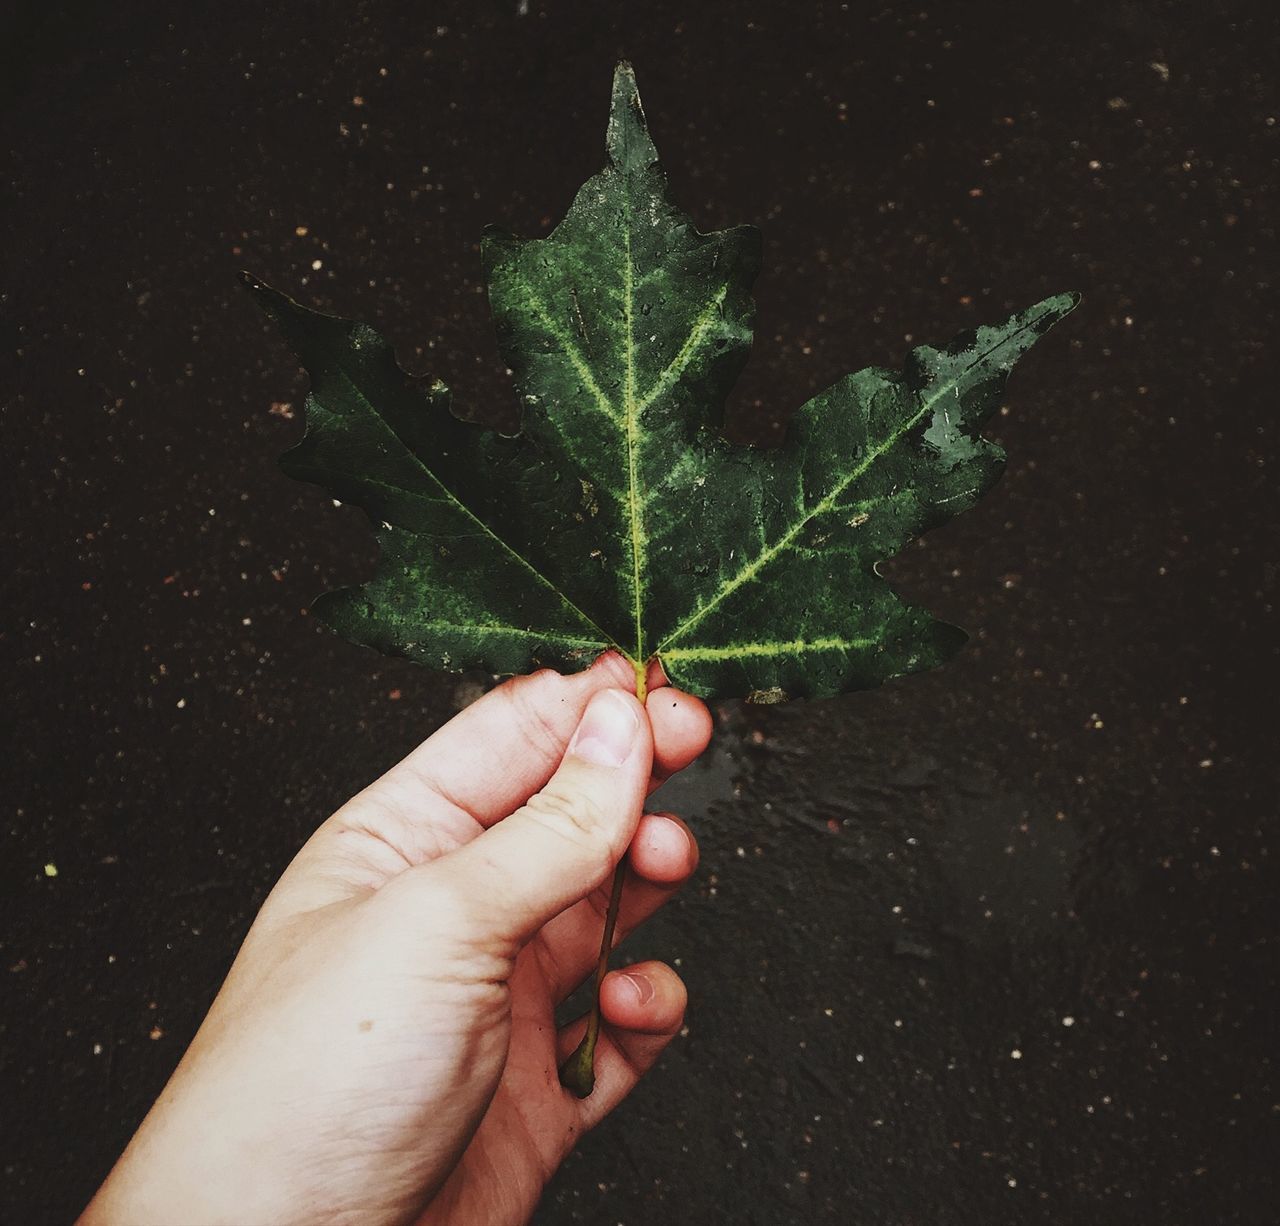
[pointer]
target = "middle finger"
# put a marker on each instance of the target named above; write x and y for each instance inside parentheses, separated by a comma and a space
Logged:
(662, 856)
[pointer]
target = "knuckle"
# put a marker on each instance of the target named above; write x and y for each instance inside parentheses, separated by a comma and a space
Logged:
(531, 698)
(577, 816)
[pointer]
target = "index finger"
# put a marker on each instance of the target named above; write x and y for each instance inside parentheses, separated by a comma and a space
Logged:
(489, 759)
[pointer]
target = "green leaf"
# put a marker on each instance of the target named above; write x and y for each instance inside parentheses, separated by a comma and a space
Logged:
(619, 516)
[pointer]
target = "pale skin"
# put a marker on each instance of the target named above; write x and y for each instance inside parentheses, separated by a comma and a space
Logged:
(384, 1048)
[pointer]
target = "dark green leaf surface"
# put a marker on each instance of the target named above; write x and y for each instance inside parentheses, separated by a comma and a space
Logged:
(619, 517)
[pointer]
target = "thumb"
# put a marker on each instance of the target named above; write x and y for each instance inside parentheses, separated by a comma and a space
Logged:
(564, 842)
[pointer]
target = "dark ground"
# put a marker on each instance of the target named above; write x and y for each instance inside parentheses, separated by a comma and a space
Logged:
(993, 945)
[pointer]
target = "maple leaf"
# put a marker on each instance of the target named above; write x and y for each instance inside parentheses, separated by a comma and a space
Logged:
(619, 516)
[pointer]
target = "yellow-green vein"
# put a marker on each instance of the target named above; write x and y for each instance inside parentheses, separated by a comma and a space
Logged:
(606, 639)
(762, 559)
(677, 365)
(481, 629)
(792, 647)
(631, 411)
(572, 352)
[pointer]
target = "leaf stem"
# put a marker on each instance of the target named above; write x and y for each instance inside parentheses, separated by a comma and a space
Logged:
(578, 1072)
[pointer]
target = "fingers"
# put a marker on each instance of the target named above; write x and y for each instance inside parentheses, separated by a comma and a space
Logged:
(498, 752)
(662, 856)
(681, 729)
(565, 840)
(663, 852)
(474, 771)
(643, 1009)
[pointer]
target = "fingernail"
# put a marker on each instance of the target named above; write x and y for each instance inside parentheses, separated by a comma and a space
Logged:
(640, 985)
(607, 732)
(678, 827)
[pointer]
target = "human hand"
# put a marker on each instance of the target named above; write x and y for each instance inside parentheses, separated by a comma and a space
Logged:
(384, 1048)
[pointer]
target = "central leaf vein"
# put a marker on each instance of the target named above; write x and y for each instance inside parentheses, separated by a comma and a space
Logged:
(632, 410)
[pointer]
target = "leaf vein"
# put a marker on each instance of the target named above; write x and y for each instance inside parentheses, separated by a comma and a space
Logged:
(761, 560)
(791, 647)
(676, 367)
(635, 503)
(470, 514)
(573, 353)
(492, 628)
